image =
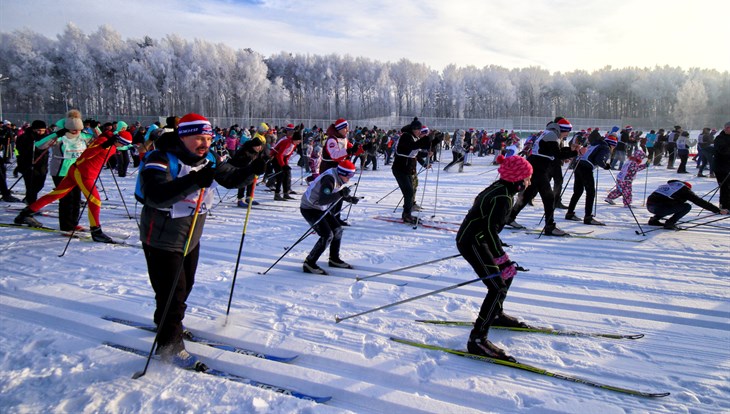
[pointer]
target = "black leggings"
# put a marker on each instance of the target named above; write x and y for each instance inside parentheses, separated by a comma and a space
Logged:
(478, 256)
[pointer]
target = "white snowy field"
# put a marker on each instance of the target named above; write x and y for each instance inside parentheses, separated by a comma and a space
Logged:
(671, 286)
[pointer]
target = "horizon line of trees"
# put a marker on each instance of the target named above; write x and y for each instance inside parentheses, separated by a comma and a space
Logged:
(102, 73)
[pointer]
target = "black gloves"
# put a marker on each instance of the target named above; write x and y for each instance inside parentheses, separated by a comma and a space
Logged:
(203, 178)
(61, 132)
(258, 166)
(109, 142)
(351, 199)
(354, 149)
(345, 192)
(607, 166)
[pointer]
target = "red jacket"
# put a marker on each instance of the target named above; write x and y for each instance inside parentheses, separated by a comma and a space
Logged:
(283, 150)
(92, 160)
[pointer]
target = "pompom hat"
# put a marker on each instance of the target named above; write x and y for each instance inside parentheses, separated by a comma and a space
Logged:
(194, 124)
(565, 125)
(513, 169)
(125, 137)
(340, 124)
(346, 168)
(73, 121)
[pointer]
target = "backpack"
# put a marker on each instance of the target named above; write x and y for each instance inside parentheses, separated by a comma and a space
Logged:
(173, 167)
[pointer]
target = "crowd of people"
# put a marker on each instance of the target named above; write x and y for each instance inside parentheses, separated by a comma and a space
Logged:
(180, 163)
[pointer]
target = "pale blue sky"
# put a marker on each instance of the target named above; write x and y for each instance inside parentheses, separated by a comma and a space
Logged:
(558, 35)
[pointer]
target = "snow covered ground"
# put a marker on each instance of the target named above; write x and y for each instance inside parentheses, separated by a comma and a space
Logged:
(671, 286)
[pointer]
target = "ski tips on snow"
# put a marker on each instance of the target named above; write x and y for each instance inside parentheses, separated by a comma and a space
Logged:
(527, 367)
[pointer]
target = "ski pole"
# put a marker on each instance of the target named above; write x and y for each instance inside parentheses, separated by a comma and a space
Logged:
(358, 278)
(383, 197)
(339, 319)
(488, 171)
(101, 184)
(16, 182)
(631, 210)
(423, 193)
(565, 187)
(88, 200)
(716, 190)
(304, 236)
(706, 223)
(595, 196)
(646, 182)
(392, 191)
(174, 284)
(438, 174)
(240, 248)
(120, 195)
(681, 222)
(349, 208)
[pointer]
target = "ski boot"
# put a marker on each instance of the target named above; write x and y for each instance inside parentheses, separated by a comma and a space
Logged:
(98, 236)
(26, 217)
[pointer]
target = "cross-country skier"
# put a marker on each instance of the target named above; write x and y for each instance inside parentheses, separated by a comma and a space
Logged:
(545, 151)
(316, 207)
(671, 198)
(82, 174)
(169, 185)
(479, 243)
(596, 156)
(625, 178)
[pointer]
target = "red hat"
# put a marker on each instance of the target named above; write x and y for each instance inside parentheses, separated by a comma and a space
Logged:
(289, 127)
(346, 168)
(565, 125)
(341, 123)
(424, 130)
(611, 140)
(125, 138)
(514, 168)
(194, 124)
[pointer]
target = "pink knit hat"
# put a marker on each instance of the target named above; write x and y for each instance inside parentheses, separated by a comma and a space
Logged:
(514, 168)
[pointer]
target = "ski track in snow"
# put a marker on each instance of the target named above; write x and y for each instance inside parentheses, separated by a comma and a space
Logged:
(670, 286)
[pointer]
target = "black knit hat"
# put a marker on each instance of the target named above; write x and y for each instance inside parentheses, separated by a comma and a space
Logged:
(415, 125)
(38, 124)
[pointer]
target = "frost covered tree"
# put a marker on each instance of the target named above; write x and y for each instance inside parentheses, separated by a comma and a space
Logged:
(691, 103)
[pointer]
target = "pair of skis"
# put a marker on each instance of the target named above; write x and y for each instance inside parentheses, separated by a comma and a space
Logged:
(528, 367)
(219, 373)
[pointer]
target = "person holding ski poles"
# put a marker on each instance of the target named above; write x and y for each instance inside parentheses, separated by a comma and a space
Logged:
(82, 174)
(672, 198)
(171, 181)
(324, 194)
(479, 244)
(404, 164)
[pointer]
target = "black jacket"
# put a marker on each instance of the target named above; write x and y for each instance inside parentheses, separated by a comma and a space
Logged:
(674, 192)
(487, 217)
(722, 152)
(406, 151)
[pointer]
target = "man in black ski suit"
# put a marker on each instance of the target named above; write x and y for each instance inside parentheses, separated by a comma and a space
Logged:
(545, 151)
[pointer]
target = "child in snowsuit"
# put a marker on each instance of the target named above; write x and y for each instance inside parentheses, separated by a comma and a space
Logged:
(625, 178)
(315, 157)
